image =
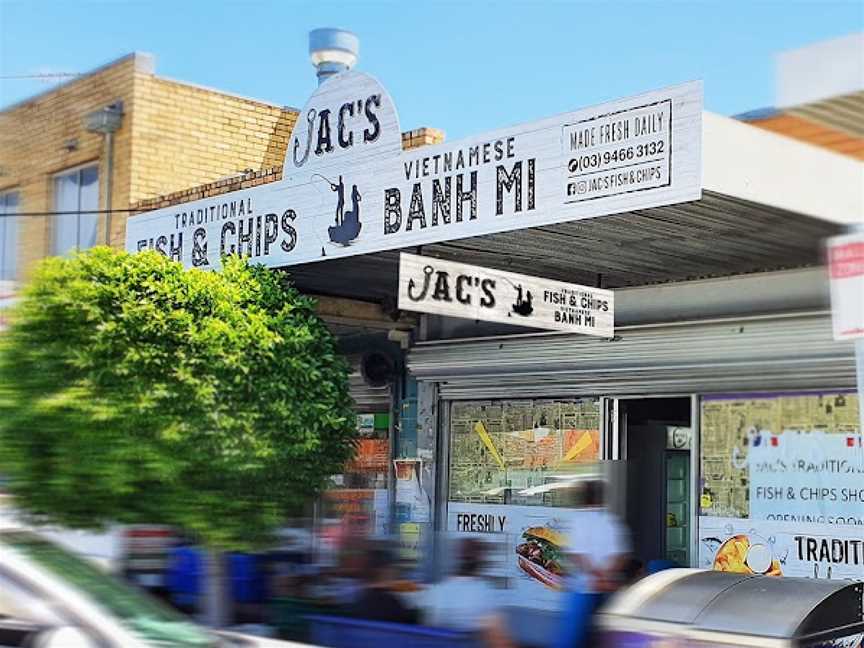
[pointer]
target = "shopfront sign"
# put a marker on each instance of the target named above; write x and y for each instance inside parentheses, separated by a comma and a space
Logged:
(349, 188)
(429, 285)
(846, 268)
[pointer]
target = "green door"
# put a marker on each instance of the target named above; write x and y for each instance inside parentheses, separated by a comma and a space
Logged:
(678, 507)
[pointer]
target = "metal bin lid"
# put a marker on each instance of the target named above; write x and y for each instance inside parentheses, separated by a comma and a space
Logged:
(797, 609)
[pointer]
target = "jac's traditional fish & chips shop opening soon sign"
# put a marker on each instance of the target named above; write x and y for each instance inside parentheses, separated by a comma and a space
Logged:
(348, 188)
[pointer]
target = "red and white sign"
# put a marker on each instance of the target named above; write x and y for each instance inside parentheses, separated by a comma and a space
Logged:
(846, 268)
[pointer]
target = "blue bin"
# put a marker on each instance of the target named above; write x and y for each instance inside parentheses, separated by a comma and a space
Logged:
(184, 575)
(248, 578)
(338, 632)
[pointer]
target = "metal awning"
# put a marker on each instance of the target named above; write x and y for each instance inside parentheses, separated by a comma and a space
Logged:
(713, 237)
(799, 610)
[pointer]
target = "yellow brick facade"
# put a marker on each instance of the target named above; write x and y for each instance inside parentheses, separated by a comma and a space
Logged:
(177, 142)
(173, 135)
(36, 142)
(185, 136)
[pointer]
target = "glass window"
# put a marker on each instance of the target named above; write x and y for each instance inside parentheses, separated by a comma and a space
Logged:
(521, 452)
(781, 486)
(76, 191)
(19, 601)
(8, 236)
(741, 433)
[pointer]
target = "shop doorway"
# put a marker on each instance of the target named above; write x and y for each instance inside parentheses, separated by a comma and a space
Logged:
(655, 437)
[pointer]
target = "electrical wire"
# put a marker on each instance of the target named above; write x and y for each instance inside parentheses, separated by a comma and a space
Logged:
(47, 75)
(74, 213)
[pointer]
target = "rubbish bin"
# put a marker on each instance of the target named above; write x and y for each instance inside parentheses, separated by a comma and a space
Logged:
(692, 608)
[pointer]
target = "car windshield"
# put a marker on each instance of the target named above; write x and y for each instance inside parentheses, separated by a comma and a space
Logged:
(153, 622)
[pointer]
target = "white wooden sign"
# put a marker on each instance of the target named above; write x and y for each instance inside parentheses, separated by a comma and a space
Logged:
(455, 289)
(348, 187)
(846, 268)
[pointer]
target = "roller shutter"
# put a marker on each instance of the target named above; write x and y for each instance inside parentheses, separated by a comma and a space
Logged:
(777, 352)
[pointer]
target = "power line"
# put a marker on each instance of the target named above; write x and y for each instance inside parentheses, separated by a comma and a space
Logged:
(73, 213)
(47, 75)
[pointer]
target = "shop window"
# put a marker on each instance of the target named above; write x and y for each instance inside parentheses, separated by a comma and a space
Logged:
(8, 236)
(523, 452)
(782, 484)
(77, 192)
(737, 426)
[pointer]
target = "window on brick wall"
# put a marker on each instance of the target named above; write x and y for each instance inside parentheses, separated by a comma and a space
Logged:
(8, 236)
(76, 191)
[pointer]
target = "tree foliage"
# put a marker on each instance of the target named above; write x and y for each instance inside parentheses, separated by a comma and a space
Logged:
(135, 391)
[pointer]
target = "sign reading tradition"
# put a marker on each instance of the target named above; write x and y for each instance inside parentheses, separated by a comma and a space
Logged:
(441, 287)
(349, 188)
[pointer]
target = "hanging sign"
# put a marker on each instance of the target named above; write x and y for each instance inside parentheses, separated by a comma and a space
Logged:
(455, 289)
(349, 188)
(846, 268)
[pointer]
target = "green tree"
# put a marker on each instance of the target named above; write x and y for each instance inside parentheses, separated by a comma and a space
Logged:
(135, 391)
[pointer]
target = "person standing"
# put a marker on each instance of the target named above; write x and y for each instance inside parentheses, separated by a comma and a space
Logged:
(466, 601)
(375, 601)
(599, 553)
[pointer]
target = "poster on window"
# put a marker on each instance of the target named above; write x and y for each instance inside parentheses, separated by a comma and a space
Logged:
(736, 425)
(781, 548)
(782, 484)
(526, 546)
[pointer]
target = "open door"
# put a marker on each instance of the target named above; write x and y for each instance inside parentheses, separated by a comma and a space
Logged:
(654, 438)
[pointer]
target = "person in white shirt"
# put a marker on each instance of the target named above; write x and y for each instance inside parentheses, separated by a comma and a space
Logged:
(599, 553)
(465, 601)
(599, 546)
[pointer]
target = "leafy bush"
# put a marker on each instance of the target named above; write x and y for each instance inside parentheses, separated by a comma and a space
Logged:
(135, 391)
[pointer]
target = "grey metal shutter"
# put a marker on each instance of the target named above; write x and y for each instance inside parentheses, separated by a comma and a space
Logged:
(776, 352)
(367, 399)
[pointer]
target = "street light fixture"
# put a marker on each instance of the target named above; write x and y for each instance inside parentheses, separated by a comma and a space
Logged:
(107, 121)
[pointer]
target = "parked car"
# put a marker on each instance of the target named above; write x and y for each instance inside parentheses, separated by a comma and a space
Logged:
(51, 598)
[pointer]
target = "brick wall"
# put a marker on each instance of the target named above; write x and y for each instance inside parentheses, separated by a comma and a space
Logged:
(410, 139)
(422, 137)
(173, 136)
(177, 142)
(186, 136)
(33, 147)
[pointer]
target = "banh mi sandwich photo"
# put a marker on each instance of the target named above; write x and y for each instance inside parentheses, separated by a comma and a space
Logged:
(540, 556)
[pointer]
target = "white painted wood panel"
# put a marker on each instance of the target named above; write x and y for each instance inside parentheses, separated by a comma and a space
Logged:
(441, 287)
(348, 188)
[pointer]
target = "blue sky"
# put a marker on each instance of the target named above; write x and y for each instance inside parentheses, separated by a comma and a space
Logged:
(464, 66)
